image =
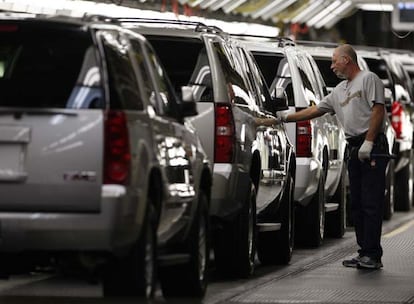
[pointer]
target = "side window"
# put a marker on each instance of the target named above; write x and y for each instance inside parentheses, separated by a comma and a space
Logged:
(200, 80)
(319, 82)
(234, 79)
(167, 102)
(309, 90)
(155, 82)
(261, 86)
(276, 72)
(123, 86)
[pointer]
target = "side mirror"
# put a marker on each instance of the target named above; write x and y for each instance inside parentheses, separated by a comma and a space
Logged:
(188, 105)
(187, 93)
(279, 101)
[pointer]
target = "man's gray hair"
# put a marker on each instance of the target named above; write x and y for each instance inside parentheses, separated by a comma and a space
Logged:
(348, 50)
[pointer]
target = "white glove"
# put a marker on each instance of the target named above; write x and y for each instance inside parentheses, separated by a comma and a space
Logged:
(281, 117)
(364, 152)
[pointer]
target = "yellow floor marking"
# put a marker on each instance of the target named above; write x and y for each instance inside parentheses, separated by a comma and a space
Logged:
(399, 229)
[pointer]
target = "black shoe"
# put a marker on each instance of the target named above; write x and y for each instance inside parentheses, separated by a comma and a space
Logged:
(369, 263)
(352, 262)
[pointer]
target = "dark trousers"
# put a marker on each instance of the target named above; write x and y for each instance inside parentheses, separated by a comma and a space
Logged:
(367, 189)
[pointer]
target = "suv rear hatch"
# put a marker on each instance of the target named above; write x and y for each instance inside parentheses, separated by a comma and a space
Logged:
(51, 119)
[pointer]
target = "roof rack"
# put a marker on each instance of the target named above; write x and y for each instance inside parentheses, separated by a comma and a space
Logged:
(99, 18)
(283, 41)
(199, 26)
(317, 43)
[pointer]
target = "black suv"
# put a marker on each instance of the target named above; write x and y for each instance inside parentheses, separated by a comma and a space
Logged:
(96, 160)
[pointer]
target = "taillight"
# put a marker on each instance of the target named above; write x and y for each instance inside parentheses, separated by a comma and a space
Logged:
(303, 138)
(397, 118)
(224, 134)
(117, 154)
(8, 28)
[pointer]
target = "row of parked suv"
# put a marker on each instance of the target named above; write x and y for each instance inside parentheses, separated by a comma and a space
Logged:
(137, 146)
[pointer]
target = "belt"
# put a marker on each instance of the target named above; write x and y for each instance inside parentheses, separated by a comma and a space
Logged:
(356, 140)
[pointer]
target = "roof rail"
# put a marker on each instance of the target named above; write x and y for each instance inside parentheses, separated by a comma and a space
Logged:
(100, 18)
(317, 43)
(283, 41)
(199, 26)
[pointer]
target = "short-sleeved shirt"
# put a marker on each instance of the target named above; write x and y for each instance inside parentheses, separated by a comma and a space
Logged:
(352, 102)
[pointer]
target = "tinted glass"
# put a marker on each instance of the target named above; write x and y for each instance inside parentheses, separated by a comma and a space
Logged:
(276, 71)
(187, 64)
(324, 65)
(123, 85)
(233, 74)
(167, 103)
(42, 65)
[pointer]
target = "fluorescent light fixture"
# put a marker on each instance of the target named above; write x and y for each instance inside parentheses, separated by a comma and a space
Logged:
(208, 3)
(79, 8)
(314, 7)
(195, 3)
(331, 7)
(336, 15)
(220, 4)
(278, 9)
(231, 6)
(183, 1)
(266, 8)
(385, 7)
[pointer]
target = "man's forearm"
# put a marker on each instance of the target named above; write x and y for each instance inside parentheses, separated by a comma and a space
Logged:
(304, 114)
(375, 123)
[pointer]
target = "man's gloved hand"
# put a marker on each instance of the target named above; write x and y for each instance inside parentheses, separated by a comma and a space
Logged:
(281, 117)
(364, 151)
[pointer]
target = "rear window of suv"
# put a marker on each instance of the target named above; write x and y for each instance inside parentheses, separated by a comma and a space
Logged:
(186, 63)
(324, 65)
(40, 65)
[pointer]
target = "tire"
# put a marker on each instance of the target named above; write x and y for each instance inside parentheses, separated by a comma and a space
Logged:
(311, 218)
(276, 247)
(235, 245)
(191, 279)
(335, 223)
(404, 187)
(389, 191)
(135, 275)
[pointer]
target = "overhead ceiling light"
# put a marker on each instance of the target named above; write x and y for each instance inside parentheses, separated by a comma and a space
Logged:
(324, 13)
(266, 8)
(278, 9)
(336, 15)
(208, 3)
(196, 3)
(220, 4)
(313, 8)
(233, 5)
(376, 7)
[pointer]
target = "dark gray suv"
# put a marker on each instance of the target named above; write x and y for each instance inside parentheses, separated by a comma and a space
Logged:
(96, 160)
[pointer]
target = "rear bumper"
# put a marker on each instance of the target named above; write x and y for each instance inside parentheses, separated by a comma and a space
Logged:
(111, 228)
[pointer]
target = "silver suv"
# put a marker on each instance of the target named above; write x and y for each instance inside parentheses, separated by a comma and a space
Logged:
(253, 174)
(96, 159)
(320, 144)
